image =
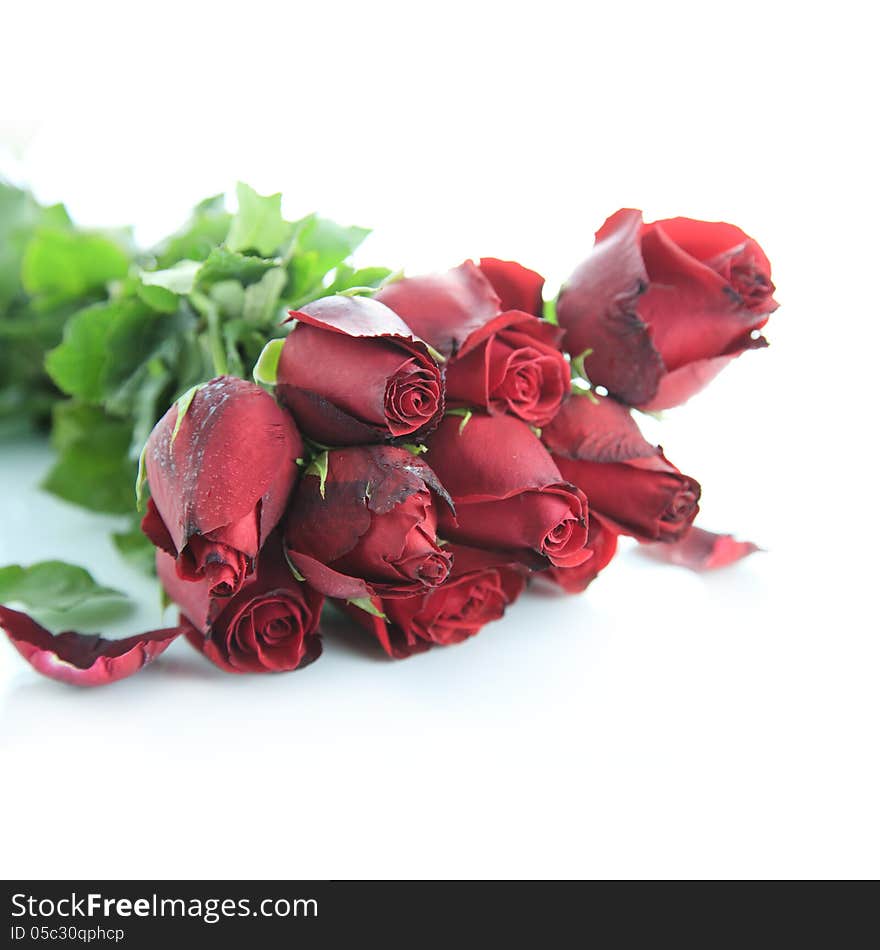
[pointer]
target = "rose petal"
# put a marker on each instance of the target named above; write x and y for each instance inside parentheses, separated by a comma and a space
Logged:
(518, 287)
(596, 429)
(489, 457)
(82, 659)
(702, 550)
(444, 309)
(235, 448)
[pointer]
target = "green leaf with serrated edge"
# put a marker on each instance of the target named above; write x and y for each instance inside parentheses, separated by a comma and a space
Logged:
(58, 587)
(365, 603)
(318, 246)
(258, 225)
(63, 264)
(205, 230)
(266, 368)
(180, 278)
(550, 312)
(319, 467)
(223, 264)
(183, 404)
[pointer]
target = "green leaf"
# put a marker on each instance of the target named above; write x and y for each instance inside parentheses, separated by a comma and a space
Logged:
(77, 364)
(136, 548)
(64, 264)
(223, 264)
(104, 345)
(550, 312)
(318, 247)
(20, 217)
(414, 449)
(156, 298)
(206, 228)
(365, 603)
(58, 587)
(93, 468)
(258, 225)
(261, 299)
(319, 467)
(179, 279)
(266, 369)
(229, 297)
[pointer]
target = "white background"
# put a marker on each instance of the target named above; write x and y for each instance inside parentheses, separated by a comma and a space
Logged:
(663, 724)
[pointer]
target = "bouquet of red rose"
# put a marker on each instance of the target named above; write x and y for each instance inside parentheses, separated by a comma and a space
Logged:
(417, 454)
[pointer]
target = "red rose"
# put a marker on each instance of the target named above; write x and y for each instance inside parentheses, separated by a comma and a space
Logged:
(82, 659)
(518, 287)
(479, 588)
(602, 544)
(270, 625)
(664, 307)
(503, 361)
(220, 483)
(598, 447)
(508, 494)
(365, 524)
(351, 373)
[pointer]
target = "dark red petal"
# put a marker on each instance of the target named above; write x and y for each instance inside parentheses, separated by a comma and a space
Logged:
(702, 550)
(444, 309)
(82, 659)
(596, 429)
(518, 287)
(597, 308)
(235, 448)
(489, 457)
(354, 316)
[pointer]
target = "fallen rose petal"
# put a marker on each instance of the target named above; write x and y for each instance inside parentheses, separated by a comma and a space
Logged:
(82, 659)
(702, 550)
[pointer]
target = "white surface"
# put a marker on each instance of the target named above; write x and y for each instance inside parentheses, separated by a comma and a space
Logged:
(662, 724)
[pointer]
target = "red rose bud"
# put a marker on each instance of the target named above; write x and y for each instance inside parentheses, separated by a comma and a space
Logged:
(82, 659)
(363, 523)
(220, 484)
(508, 493)
(352, 372)
(478, 590)
(269, 626)
(518, 287)
(602, 544)
(662, 308)
(501, 361)
(598, 447)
